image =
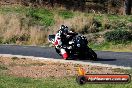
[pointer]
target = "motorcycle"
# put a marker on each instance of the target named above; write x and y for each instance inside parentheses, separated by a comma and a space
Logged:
(76, 48)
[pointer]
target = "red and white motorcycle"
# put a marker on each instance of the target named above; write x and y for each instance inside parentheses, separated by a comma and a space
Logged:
(76, 49)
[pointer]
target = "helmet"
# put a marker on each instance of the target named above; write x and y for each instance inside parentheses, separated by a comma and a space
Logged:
(65, 31)
(62, 27)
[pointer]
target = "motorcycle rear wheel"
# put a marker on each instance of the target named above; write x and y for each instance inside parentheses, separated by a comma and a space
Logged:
(92, 54)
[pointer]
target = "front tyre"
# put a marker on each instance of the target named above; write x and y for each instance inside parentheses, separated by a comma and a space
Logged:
(58, 51)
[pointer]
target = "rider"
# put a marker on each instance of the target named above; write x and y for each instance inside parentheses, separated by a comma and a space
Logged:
(63, 36)
(66, 35)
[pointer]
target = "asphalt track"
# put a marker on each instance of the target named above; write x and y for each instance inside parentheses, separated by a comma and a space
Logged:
(104, 57)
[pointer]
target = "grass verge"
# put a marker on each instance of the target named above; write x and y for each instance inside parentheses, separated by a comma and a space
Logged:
(25, 72)
(20, 82)
(110, 46)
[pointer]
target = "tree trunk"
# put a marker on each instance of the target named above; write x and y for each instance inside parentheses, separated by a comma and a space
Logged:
(128, 5)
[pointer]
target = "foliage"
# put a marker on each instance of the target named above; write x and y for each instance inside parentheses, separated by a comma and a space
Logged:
(92, 25)
(119, 36)
(66, 14)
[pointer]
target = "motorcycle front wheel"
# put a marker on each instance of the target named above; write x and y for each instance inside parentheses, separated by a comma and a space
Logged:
(58, 51)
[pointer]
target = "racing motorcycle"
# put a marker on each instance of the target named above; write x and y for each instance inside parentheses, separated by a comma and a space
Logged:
(76, 48)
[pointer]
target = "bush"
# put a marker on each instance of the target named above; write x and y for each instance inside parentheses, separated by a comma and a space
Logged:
(120, 36)
(118, 24)
(92, 27)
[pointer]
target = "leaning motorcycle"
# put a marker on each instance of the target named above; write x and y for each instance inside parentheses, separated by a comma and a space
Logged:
(77, 48)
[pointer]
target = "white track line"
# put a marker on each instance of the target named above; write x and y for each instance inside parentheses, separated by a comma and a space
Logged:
(65, 61)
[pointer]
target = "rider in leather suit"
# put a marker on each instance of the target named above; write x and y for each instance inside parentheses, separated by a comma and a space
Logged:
(63, 36)
(66, 35)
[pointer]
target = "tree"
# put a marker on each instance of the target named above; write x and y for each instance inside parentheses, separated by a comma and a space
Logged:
(128, 5)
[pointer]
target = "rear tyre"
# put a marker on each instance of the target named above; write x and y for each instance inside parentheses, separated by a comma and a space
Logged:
(92, 55)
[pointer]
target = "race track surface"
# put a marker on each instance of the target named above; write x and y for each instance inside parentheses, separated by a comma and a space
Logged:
(104, 57)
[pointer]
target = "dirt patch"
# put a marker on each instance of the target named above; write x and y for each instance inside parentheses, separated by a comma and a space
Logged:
(23, 67)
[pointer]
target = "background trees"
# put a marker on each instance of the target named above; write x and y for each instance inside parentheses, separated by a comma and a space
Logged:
(128, 6)
(106, 6)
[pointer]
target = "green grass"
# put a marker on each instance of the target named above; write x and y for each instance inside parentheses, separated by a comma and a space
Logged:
(102, 46)
(39, 15)
(66, 14)
(43, 16)
(111, 46)
(46, 14)
(130, 19)
(110, 17)
(13, 9)
(20, 82)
